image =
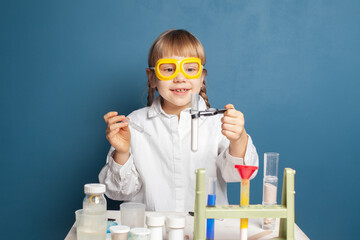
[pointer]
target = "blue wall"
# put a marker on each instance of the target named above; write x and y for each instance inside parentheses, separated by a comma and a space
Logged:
(292, 67)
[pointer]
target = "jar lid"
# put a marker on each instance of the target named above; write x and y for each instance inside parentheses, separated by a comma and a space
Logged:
(94, 188)
(175, 221)
(119, 229)
(155, 220)
(140, 231)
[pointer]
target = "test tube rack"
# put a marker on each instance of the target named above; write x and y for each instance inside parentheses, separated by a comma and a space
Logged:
(285, 211)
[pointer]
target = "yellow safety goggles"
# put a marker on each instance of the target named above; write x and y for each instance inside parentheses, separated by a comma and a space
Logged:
(168, 68)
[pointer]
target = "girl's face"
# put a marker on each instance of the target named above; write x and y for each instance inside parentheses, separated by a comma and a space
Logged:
(176, 93)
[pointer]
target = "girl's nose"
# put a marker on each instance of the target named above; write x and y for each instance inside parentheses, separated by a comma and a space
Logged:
(180, 78)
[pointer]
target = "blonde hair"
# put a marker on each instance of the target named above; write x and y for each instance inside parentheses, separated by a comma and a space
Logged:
(176, 43)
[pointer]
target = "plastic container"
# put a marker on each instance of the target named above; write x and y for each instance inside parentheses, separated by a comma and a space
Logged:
(140, 234)
(271, 164)
(119, 232)
(176, 225)
(94, 200)
(90, 225)
(91, 221)
(155, 223)
(132, 214)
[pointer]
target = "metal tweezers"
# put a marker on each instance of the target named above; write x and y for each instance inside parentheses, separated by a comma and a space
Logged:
(207, 112)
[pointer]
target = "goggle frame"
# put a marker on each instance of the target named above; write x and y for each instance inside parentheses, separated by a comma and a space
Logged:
(179, 68)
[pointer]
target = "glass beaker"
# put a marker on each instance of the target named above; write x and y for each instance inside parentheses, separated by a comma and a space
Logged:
(132, 214)
(90, 225)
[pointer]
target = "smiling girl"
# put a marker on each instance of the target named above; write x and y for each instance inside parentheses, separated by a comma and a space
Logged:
(158, 168)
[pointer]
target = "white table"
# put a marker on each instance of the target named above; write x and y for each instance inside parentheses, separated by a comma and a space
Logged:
(224, 229)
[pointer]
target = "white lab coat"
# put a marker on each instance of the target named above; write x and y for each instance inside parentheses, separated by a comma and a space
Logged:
(160, 171)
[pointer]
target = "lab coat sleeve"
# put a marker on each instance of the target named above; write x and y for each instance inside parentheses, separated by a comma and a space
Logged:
(122, 181)
(227, 163)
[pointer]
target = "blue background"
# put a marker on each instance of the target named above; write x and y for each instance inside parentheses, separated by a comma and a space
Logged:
(292, 67)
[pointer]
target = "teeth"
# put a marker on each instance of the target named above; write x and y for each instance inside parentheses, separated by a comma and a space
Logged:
(180, 90)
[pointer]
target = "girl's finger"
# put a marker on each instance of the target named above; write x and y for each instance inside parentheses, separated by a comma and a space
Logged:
(231, 120)
(230, 135)
(113, 132)
(234, 113)
(231, 128)
(109, 115)
(118, 125)
(116, 119)
(229, 106)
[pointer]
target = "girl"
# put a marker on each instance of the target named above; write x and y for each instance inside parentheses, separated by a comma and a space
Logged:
(156, 166)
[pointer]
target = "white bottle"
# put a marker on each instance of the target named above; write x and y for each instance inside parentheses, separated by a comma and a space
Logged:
(94, 200)
(176, 225)
(155, 223)
(94, 220)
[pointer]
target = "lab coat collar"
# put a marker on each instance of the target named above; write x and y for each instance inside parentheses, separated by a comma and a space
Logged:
(155, 109)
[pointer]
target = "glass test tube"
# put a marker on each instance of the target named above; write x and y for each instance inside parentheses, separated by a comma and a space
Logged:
(194, 122)
(271, 164)
(210, 224)
(244, 201)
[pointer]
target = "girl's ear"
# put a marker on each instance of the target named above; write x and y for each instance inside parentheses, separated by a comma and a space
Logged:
(151, 78)
(203, 75)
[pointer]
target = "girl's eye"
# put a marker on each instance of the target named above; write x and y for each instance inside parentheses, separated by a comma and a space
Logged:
(191, 68)
(167, 69)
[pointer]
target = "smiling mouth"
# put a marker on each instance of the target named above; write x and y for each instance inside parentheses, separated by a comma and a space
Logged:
(180, 90)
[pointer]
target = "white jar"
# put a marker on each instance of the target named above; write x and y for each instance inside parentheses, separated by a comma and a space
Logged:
(94, 200)
(155, 223)
(176, 225)
(119, 232)
(140, 234)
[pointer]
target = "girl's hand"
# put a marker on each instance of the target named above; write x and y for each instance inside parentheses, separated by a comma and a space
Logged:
(233, 124)
(117, 133)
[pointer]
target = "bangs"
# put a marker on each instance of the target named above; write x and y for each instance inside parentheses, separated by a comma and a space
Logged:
(176, 43)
